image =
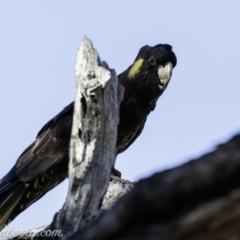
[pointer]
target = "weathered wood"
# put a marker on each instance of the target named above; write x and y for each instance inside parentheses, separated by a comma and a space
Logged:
(198, 200)
(116, 190)
(93, 140)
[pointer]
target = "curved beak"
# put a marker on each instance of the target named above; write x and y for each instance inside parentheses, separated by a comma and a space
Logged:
(164, 74)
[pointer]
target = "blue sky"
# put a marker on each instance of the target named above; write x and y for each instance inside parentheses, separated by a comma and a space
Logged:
(200, 108)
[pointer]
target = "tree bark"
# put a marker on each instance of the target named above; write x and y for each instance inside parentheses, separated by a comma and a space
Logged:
(93, 140)
(198, 200)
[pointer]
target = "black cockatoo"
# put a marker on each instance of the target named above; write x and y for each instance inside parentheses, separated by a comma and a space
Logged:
(44, 164)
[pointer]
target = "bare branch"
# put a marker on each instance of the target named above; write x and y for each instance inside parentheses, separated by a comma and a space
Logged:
(93, 140)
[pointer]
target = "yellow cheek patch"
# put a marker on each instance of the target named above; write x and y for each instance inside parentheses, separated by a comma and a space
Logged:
(135, 69)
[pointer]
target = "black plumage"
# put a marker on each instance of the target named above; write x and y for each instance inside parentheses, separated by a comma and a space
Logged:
(44, 164)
